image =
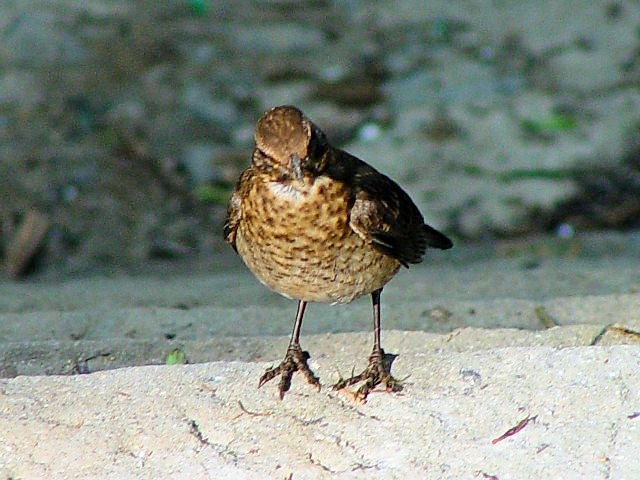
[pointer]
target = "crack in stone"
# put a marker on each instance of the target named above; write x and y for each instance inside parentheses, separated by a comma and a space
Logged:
(223, 450)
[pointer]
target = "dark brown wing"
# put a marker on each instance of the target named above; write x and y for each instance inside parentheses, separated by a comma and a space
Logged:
(234, 209)
(385, 215)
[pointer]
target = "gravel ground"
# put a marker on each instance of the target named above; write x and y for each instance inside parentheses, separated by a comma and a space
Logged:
(125, 123)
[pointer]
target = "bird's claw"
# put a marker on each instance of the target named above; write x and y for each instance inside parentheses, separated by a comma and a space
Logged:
(377, 373)
(294, 361)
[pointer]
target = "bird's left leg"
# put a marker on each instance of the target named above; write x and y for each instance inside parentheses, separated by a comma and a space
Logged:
(379, 369)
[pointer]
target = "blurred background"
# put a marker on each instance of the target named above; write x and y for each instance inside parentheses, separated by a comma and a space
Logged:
(124, 124)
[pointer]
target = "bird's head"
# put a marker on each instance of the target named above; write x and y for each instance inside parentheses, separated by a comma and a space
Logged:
(285, 136)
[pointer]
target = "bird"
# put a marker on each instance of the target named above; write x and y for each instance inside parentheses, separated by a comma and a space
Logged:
(316, 224)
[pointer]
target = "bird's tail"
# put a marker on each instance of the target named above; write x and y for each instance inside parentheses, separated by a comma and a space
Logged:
(436, 239)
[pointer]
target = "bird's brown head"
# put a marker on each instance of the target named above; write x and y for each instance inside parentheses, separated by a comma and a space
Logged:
(283, 132)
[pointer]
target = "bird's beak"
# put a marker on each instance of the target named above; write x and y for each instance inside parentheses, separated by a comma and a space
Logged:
(295, 166)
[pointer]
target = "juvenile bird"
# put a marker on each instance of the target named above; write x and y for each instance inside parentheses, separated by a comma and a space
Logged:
(317, 224)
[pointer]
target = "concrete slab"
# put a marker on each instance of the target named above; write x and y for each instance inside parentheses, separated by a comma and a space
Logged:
(209, 420)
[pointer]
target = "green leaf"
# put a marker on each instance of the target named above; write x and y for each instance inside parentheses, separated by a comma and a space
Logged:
(176, 357)
(554, 123)
(199, 7)
(212, 194)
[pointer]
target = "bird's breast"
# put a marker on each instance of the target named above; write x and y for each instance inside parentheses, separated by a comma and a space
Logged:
(296, 238)
(288, 192)
(302, 211)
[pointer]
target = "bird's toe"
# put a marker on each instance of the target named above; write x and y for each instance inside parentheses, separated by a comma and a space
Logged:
(294, 361)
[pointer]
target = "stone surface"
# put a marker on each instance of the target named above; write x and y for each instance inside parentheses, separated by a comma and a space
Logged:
(199, 421)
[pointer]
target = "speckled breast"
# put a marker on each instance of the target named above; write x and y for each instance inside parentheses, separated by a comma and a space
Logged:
(296, 239)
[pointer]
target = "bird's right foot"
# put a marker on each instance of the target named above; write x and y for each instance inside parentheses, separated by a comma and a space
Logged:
(294, 361)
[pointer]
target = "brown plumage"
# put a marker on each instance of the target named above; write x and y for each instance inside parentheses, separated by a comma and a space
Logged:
(316, 224)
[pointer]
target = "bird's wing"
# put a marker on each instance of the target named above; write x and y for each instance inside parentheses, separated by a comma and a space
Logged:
(384, 215)
(234, 209)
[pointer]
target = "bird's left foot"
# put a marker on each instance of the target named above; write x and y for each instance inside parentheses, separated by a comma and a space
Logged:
(377, 373)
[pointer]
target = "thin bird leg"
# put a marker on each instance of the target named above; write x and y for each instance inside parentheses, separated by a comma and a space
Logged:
(375, 301)
(294, 342)
(295, 360)
(378, 371)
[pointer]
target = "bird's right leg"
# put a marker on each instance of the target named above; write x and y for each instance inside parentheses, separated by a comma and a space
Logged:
(294, 361)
